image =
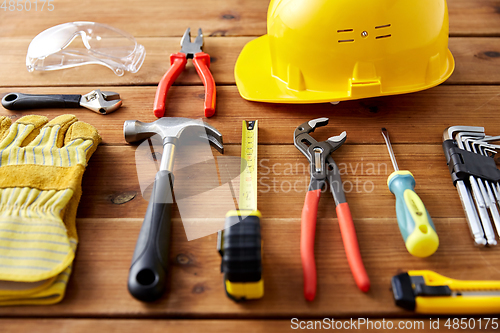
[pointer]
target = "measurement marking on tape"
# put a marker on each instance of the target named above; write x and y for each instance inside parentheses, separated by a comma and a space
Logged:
(248, 180)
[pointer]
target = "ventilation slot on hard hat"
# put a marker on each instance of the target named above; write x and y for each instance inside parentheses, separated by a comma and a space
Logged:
(381, 27)
(345, 40)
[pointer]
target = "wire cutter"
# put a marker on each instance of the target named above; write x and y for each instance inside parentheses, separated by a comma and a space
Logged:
(178, 63)
(323, 167)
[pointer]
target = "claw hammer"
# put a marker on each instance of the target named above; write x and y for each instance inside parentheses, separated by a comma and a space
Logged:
(149, 268)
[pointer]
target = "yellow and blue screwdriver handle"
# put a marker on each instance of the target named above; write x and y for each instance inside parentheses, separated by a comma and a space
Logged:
(240, 244)
(414, 221)
(427, 292)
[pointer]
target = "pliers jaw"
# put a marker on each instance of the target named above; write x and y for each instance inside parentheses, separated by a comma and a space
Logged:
(191, 48)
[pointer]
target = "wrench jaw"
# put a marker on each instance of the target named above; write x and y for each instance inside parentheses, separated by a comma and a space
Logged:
(110, 95)
(102, 102)
(309, 127)
(318, 122)
(304, 141)
(322, 165)
(336, 141)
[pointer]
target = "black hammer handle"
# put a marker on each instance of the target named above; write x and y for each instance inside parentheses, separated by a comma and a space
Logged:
(18, 101)
(148, 271)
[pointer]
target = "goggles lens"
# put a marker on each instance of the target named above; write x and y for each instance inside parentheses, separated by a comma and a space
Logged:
(79, 43)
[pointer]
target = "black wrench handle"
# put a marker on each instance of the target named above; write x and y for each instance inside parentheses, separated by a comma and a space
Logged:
(149, 268)
(19, 101)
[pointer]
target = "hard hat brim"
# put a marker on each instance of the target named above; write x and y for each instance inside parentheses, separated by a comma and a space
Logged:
(255, 82)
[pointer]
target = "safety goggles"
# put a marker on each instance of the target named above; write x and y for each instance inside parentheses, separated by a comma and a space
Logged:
(59, 47)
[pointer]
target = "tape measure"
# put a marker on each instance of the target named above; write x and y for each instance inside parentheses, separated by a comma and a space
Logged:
(248, 168)
(239, 244)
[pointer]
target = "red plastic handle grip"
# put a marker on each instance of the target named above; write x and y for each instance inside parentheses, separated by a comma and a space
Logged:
(177, 64)
(351, 247)
(201, 62)
(307, 234)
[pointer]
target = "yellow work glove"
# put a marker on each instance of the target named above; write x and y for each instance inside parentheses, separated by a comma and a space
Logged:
(41, 169)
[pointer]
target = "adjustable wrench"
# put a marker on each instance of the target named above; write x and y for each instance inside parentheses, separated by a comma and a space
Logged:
(102, 102)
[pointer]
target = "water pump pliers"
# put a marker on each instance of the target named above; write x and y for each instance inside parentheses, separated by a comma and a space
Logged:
(323, 169)
(178, 61)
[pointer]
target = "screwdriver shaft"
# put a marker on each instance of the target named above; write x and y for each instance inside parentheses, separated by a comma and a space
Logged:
(385, 134)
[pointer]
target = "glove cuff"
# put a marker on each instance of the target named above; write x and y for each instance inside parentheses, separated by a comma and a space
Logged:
(43, 177)
(34, 240)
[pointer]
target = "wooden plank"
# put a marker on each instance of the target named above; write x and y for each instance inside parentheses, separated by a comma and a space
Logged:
(477, 62)
(216, 17)
(132, 326)
(474, 18)
(243, 326)
(418, 118)
(98, 284)
(283, 180)
(151, 19)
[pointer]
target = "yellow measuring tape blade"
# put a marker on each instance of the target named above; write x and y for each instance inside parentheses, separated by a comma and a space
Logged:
(248, 170)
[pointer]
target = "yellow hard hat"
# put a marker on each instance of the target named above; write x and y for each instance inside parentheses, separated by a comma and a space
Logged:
(332, 50)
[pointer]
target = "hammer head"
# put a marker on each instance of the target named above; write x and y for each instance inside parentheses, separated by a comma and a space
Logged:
(171, 129)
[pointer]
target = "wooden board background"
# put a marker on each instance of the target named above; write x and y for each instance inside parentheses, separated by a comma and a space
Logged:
(108, 231)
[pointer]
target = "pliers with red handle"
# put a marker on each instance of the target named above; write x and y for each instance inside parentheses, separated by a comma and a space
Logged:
(323, 167)
(178, 62)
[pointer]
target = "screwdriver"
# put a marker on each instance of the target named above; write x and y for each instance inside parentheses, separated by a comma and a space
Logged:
(415, 223)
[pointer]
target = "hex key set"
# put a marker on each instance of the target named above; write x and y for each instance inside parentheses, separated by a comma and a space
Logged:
(470, 157)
